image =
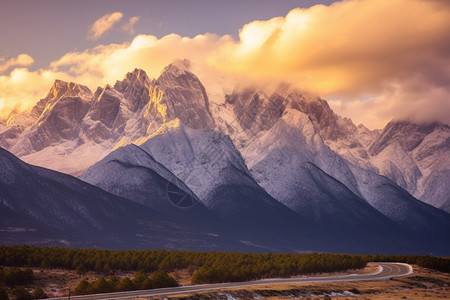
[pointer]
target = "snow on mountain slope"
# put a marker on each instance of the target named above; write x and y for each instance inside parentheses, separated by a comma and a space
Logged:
(13, 127)
(366, 136)
(417, 158)
(195, 156)
(301, 153)
(70, 157)
(224, 185)
(132, 173)
(43, 207)
(256, 110)
(59, 207)
(288, 161)
(210, 165)
(59, 120)
(392, 152)
(294, 165)
(296, 138)
(424, 222)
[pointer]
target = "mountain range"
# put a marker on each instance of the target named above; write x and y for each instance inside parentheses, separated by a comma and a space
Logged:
(171, 163)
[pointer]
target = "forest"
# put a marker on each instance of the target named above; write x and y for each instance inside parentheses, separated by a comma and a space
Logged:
(151, 267)
(222, 266)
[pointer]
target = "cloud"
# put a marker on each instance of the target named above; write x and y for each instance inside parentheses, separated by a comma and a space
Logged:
(103, 24)
(374, 60)
(129, 26)
(352, 49)
(20, 60)
(105, 64)
(21, 89)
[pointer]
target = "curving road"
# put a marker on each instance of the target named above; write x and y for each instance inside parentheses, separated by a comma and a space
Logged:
(385, 271)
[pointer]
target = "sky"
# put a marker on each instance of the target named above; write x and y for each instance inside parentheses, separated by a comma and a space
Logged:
(373, 60)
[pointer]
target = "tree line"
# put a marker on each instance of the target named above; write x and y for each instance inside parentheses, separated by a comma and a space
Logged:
(140, 281)
(441, 264)
(15, 279)
(241, 266)
(206, 267)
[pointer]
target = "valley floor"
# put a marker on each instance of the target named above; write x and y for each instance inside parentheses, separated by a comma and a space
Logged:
(423, 284)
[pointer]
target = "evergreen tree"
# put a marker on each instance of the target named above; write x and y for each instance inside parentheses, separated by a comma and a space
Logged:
(39, 293)
(113, 281)
(99, 286)
(106, 269)
(139, 279)
(20, 293)
(161, 279)
(82, 287)
(125, 285)
(81, 270)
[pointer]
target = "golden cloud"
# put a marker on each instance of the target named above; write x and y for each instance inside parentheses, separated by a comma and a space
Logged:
(21, 89)
(357, 50)
(105, 64)
(20, 60)
(129, 26)
(104, 24)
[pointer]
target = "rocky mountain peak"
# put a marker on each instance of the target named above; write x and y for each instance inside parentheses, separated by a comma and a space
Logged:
(135, 78)
(409, 135)
(62, 88)
(184, 97)
(135, 89)
(59, 90)
(178, 67)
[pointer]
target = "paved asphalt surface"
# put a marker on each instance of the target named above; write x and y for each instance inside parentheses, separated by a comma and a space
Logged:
(385, 272)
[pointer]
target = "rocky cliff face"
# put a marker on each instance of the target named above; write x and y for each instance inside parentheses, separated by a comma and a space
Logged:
(417, 158)
(72, 122)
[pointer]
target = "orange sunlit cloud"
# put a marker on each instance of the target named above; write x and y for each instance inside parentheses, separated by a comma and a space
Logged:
(375, 60)
(353, 49)
(20, 60)
(129, 26)
(104, 24)
(104, 65)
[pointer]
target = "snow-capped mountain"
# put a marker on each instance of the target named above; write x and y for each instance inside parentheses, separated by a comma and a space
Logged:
(325, 188)
(72, 128)
(328, 216)
(417, 158)
(44, 207)
(261, 159)
(207, 162)
(132, 173)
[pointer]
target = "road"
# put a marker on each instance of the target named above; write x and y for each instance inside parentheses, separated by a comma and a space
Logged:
(385, 271)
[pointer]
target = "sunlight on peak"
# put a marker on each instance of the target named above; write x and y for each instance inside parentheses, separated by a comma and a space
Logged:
(123, 142)
(101, 94)
(10, 121)
(47, 108)
(161, 130)
(155, 96)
